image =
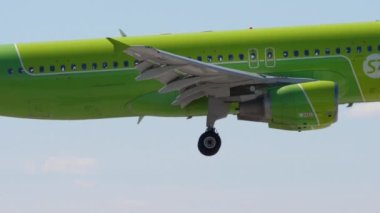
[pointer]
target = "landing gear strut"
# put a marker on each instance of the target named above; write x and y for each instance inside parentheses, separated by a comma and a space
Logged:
(209, 142)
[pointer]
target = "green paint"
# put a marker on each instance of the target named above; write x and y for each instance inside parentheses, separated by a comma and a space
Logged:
(305, 106)
(109, 91)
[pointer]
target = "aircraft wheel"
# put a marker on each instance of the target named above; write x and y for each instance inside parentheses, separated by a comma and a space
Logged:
(209, 143)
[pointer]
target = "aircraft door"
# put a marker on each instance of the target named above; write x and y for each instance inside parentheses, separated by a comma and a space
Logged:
(254, 61)
(270, 57)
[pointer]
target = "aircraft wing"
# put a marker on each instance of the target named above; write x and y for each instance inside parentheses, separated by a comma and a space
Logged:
(195, 79)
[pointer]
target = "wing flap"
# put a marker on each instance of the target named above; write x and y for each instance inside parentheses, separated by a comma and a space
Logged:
(195, 79)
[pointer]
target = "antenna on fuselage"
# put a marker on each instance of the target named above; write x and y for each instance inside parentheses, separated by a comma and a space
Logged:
(140, 119)
(122, 33)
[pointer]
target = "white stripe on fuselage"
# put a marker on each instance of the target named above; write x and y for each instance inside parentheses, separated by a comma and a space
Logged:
(311, 104)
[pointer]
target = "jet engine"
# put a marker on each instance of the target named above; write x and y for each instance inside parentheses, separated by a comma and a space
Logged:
(296, 107)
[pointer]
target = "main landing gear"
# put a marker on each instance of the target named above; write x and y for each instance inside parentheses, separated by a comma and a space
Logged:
(209, 142)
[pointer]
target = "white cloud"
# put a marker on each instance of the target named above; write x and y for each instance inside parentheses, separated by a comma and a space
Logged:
(69, 165)
(367, 110)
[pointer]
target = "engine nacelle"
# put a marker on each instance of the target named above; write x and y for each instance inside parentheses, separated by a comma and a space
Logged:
(298, 107)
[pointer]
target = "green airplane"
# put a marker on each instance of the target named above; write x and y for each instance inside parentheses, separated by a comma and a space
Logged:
(292, 78)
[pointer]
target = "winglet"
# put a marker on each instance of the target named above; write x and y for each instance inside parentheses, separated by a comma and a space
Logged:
(122, 33)
(119, 46)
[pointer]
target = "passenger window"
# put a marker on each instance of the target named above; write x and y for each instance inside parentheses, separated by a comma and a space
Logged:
(328, 51)
(286, 54)
(359, 49)
(94, 66)
(307, 52)
(115, 64)
(10, 71)
(20, 70)
(52, 68)
(63, 68)
(220, 58)
(137, 62)
(199, 58)
(338, 51)
(270, 55)
(105, 65)
(209, 59)
(241, 57)
(296, 53)
(31, 69)
(317, 52)
(73, 67)
(348, 50)
(126, 63)
(230, 57)
(84, 66)
(378, 48)
(253, 56)
(369, 48)
(42, 69)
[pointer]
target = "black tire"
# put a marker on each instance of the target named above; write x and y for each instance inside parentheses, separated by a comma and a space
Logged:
(209, 143)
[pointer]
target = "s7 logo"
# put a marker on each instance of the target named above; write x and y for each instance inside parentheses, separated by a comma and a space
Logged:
(371, 66)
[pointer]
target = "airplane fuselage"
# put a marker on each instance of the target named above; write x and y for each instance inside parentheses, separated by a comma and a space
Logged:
(92, 79)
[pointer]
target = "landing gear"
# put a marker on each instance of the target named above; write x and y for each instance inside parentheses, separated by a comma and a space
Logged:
(209, 143)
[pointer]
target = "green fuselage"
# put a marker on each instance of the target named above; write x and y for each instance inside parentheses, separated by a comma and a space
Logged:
(92, 79)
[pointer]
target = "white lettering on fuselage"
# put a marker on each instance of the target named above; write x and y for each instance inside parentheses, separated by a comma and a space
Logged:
(371, 66)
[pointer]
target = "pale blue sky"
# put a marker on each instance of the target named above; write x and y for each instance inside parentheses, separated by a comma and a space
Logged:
(114, 165)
